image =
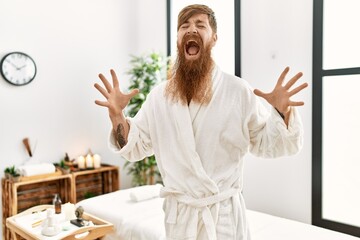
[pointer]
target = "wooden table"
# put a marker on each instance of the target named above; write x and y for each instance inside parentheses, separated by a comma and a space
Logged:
(98, 230)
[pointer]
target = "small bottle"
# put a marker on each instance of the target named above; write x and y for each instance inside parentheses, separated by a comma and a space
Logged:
(57, 204)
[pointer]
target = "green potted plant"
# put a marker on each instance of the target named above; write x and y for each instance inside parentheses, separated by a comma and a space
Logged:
(65, 169)
(64, 165)
(12, 173)
(146, 72)
(7, 172)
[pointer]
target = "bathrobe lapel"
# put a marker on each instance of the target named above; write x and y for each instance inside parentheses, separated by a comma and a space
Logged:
(187, 144)
(187, 127)
(198, 112)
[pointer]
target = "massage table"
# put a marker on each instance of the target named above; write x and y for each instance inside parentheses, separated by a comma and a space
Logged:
(144, 220)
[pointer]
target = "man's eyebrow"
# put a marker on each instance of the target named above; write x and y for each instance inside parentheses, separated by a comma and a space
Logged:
(196, 21)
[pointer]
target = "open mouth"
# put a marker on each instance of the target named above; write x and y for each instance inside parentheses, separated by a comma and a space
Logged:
(192, 48)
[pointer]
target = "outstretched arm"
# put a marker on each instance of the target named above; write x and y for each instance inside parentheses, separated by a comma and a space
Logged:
(279, 98)
(116, 101)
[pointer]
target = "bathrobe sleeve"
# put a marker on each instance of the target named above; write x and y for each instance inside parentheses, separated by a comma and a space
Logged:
(269, 135)
(139, 143)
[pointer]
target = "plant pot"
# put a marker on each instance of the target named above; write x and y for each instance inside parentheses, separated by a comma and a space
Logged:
(15, 178)
(65, 171)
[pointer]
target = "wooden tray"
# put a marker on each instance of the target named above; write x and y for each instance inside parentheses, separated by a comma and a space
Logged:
(99, 229)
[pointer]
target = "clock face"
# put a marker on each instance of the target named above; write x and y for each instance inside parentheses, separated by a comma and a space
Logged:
(18, 68)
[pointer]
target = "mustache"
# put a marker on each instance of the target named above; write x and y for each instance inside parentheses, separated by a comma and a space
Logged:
(191, 37)
(191, 79)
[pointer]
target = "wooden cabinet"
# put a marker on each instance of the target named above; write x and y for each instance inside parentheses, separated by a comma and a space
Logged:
(73, 187)
(90, 183)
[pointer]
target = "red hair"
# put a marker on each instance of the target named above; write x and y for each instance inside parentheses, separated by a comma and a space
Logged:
(189, 11)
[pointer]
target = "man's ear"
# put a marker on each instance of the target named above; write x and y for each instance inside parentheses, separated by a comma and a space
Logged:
(215, 37)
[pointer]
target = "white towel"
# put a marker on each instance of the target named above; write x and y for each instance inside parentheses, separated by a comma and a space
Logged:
(145, 192)
(36, 169)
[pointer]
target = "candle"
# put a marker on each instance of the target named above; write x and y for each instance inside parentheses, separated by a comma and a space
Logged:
(69, 210)
(97, 161)
(81, 162)
(89, 161)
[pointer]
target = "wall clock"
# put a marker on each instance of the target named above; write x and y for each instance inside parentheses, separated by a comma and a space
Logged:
(18, 68)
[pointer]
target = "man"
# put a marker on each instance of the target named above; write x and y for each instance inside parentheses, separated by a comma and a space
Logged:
(200, 124)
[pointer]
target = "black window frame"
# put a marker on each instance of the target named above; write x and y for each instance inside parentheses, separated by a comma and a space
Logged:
(318, 76)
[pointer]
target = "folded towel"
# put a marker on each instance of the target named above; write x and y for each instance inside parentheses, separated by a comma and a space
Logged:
(36, 169)
(145, 192)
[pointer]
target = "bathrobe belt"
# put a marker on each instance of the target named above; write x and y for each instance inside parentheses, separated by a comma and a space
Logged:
(201, 204)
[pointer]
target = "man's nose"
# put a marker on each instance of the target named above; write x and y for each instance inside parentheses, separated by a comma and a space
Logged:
(192, 29)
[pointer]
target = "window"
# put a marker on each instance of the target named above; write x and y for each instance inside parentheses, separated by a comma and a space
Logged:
(336, 116)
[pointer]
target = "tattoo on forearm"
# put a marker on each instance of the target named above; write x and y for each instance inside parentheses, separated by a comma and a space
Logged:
(281, 115)
(120, 135)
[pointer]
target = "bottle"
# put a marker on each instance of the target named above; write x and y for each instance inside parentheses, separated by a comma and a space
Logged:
(57, 204)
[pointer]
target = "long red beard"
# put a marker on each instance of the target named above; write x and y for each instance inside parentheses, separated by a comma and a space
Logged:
(191, 79)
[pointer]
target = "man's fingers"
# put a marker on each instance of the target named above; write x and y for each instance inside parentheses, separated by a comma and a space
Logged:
(282, 76)
(114, 78)
(133, 93)
(101, 103)
(298, 89)
(105, 82)
(293, 80)
(295, 104)
(102, 90)
(259, 93)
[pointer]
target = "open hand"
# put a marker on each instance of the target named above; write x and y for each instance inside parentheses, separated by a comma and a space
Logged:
(279, 98)
(116, 100)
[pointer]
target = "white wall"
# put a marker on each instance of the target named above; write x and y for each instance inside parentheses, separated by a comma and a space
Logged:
(276, 34)
(71, 42)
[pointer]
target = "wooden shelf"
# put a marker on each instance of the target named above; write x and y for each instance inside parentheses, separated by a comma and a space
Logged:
(40, 176)
(73, 187)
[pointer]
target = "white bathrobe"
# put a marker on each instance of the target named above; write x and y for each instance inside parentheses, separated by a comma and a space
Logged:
(199, 151)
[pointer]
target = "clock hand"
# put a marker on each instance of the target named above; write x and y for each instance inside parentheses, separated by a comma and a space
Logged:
(14, 65)
(21, 67)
